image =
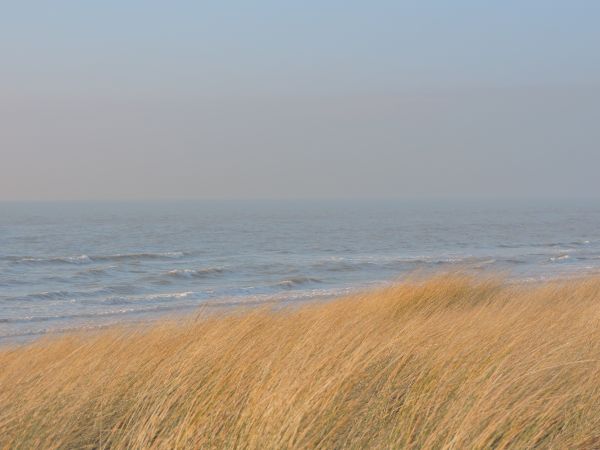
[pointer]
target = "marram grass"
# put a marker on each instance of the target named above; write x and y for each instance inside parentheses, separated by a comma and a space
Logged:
(452, 362)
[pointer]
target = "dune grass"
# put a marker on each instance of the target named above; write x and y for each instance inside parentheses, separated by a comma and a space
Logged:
(447, 362)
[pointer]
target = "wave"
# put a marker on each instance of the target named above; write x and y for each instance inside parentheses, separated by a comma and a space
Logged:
(93, 315)
(514, 261)
(94, 271)
(129, 299)
(114, 316)
(560, 258)
(342, 264)
(65, 294)
(281, 297)
(139, 256)
(24, 335)
(195, 273)
(298, 281)
(579, 243)
(80, 259)
(400, 263)
(86, 259)
(46, 295)
(13, 282)
(588, 257)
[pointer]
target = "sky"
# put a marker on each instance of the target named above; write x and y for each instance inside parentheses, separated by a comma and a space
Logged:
(313, 99)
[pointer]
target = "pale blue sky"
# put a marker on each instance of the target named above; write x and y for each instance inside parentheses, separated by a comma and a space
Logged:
(319, 99)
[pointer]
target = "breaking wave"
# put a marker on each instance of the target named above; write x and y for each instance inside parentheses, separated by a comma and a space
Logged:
(400, 263)
(86, 259)
(195, 273)
(132, 299)
(560, 258)
(298, 281)
(81, 259)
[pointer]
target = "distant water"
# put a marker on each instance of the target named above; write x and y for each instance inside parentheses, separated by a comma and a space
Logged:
(71, 265)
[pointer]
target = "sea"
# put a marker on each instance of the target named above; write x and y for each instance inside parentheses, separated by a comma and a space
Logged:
(75, 265)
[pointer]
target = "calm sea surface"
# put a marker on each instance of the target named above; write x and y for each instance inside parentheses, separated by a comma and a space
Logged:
(73, 265)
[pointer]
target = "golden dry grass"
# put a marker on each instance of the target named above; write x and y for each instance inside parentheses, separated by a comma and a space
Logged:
(449, 362)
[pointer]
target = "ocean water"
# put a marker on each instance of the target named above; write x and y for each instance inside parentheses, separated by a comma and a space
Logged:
(77, 265)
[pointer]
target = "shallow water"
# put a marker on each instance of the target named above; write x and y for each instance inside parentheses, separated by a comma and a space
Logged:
(72, 265)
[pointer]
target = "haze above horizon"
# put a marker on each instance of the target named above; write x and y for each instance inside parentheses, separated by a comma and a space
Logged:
(143, 100)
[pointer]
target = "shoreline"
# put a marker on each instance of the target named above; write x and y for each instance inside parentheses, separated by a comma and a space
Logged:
(292, 298)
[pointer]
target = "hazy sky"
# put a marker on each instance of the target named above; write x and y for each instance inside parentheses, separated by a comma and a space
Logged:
(311, 99)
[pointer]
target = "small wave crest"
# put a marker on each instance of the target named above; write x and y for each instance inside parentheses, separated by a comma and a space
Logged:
(90, 315)
(129, 299)
(297, 281)
(568, 244)
(139, 256)
(85, 259)
(74, 295)
(195, 273)
(80, 259)
(395, 263)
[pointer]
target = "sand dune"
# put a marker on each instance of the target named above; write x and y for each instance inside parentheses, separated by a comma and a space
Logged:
(447, 362)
